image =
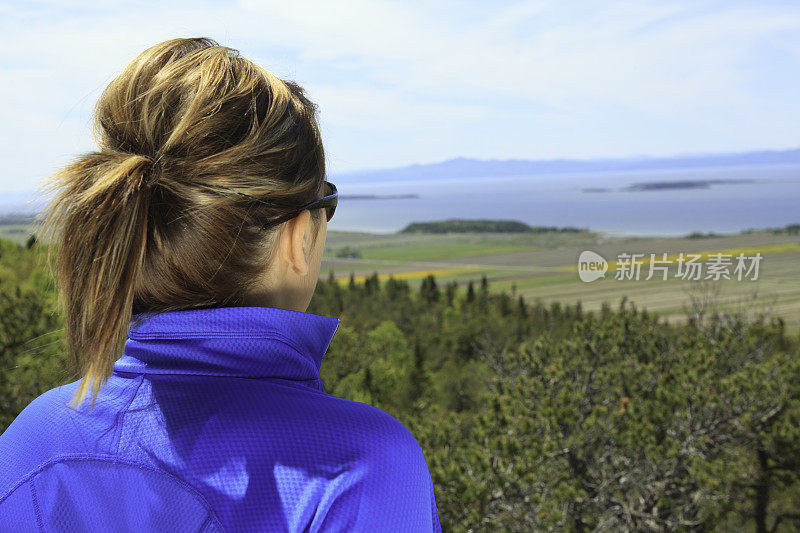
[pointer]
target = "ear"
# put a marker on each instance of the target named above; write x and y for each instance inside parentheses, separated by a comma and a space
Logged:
(295, 234)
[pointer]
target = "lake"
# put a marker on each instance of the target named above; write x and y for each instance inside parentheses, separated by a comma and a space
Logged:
(750, 197)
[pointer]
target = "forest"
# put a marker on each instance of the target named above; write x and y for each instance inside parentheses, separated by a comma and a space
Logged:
(532, 416)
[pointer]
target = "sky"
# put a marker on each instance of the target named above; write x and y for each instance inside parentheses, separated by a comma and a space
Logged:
(403, 82)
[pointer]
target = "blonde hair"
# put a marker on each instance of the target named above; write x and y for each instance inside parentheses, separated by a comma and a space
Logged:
(152, 221)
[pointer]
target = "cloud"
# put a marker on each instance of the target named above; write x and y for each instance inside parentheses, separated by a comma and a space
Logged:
(404, 82)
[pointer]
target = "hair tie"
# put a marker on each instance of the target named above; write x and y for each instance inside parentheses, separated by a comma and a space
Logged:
(154, 175)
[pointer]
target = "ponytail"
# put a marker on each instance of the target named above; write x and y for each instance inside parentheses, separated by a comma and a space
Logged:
(99, 220)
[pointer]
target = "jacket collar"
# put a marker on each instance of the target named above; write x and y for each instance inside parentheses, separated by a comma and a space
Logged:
(252, 342)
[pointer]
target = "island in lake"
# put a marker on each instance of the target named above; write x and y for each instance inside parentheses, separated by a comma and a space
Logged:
(669, 185)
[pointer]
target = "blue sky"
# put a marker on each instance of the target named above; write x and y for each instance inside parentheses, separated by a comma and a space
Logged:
(415, 82)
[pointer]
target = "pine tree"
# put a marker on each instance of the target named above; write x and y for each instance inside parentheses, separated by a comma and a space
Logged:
(522, 309)
(505, 304)
(428, 289)
(452, 287)
(418, 375)
(372, 284)
(391, 288)
(483, 295)
(338, 300)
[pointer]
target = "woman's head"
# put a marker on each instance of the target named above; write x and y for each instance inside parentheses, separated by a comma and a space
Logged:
(159, 219)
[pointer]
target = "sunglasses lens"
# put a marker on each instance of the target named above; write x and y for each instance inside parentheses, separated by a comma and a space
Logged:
(329, 210)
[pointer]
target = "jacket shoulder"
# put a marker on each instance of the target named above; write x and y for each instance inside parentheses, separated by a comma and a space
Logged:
(379, 433)
(392, 486)
(332, 422)
(50, 427)
(40, 431)
(337, 464)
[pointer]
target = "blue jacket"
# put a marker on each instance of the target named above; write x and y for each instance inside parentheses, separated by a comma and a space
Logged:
(214, 420)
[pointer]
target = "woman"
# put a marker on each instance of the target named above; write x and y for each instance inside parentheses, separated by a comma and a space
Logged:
(190, 244)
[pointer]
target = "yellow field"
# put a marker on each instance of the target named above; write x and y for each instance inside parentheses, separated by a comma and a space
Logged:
(412, 275)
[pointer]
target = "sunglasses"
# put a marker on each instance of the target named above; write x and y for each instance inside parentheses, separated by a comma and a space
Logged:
(328, 202)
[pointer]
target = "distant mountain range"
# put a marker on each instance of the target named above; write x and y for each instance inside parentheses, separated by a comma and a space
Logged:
(462, 167)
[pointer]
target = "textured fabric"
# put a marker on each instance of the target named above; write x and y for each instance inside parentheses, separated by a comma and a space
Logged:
(214, 420)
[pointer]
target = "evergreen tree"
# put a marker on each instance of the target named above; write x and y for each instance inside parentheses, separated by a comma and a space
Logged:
(420, 381)
(504, 301)
(428, 289)
(391, 288)
(451, 289)
(483, 295)
(522, 308)
(372, 284)
(470, 292)
(368, 384)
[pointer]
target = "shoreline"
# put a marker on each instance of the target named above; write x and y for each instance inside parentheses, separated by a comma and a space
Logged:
(612, 234)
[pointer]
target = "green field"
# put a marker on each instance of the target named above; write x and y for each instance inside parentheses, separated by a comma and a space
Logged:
(544, 266)
(15, 232)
